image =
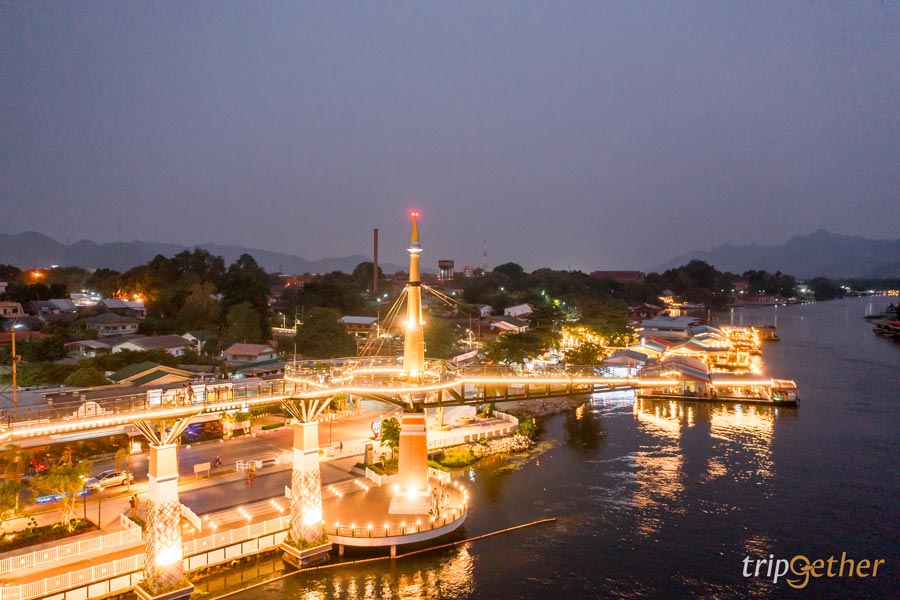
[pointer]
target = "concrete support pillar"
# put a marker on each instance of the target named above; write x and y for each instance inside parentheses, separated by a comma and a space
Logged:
(163, 561)
(306, 488)
(306, 543)
(413, 495)
(413, 461)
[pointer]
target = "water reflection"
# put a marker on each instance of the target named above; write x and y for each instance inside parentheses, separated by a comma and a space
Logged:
(438, 576)
(720, 441)
(583, 429)
(658, 464)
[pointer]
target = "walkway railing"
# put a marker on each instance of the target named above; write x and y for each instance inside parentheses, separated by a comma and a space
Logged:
(442, 476)
(131, 564)
(191, 517)
(372, 531)
(64, 581)
(373, 476)
(69, 551)
(128, 523)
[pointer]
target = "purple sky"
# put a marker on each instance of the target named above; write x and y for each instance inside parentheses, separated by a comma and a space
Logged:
(591, 135)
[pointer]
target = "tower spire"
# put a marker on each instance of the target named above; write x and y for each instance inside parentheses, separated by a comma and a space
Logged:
(414, 340)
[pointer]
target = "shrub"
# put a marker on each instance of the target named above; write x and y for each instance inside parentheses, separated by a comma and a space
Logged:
(271, 426)
(457, 457)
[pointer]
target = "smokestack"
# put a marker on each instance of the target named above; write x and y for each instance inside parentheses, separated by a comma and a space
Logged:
(375, 266)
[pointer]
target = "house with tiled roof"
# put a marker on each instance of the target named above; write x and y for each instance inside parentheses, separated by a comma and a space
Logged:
(126, 308)
(625, 363)
(519, 310)
(111, 324)
(11, 310)
(148, 373)
(173, 344)
(507, 325)
(87, 348)
(198, 338)
(249, 353)
(360, 327)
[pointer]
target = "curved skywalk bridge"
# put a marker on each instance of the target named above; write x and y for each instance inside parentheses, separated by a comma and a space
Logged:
(440, 384)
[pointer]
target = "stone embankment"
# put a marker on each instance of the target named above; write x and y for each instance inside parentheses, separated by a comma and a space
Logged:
(513, 443)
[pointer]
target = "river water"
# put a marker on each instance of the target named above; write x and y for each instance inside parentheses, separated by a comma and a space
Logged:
(659, 499)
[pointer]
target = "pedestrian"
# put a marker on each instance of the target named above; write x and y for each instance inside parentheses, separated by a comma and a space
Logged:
(134, 505)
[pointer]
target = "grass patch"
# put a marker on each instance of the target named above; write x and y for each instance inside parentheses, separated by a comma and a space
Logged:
(436, 465)
(455, 458)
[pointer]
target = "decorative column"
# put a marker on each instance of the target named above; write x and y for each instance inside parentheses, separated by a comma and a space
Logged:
(306, 542)
(413, 340)
(414, 496)
(164, 577)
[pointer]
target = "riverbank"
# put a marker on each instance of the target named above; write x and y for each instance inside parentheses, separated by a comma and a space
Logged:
(545, 407)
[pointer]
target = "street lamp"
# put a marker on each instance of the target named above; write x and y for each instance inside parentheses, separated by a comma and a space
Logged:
(15, 359)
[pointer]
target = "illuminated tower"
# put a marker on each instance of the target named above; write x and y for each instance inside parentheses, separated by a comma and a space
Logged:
(414, 496)
(414, 342)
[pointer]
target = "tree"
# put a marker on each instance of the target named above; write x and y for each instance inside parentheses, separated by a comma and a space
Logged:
(42, 350)
(246, 283)
(363, 275)
(440, 340)
(390, 433)
(86, 377)
(10, 501)
(66, 479)
(242, 325)
(588, 353)
(123, 460)
(516, 347)
(321, 336)
(513, 271)
(201, 310)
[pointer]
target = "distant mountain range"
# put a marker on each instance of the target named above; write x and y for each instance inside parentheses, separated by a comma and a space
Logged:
(31, 249)
(820, 253)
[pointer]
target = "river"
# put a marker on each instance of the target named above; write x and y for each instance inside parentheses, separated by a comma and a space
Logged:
(659, 499)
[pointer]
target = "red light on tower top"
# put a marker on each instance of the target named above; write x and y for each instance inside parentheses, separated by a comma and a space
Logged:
(414, 214)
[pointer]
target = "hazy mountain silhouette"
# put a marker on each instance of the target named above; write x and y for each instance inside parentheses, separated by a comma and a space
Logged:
(819, 253)
(32, 249)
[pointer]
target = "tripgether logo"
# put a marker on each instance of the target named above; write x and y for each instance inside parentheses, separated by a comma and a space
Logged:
(800, 569)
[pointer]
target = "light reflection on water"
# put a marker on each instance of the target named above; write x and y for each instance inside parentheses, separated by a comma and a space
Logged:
(662, 499)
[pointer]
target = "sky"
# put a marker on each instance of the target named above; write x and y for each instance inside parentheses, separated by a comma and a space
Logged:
(583, 135)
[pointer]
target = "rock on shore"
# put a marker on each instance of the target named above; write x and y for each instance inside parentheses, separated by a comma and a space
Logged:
(544, 407)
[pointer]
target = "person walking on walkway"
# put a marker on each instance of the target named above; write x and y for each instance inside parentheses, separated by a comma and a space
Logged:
(134, 505)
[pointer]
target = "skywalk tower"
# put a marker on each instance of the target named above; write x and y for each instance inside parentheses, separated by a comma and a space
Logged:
(414, 340)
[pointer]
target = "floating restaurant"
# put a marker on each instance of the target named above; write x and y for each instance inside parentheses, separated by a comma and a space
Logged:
(688, 378)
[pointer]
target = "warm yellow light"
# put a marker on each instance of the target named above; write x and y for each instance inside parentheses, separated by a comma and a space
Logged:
(169, 556)
(311, 516)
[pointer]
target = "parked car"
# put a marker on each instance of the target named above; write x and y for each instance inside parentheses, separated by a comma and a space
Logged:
(109, 478)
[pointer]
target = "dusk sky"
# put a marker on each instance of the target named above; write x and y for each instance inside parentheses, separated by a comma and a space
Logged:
(589, 135)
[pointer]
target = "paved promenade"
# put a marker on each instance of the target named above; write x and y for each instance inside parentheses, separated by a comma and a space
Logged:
(225, 501)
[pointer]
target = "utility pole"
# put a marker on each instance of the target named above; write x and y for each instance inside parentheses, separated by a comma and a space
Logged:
(15, 359)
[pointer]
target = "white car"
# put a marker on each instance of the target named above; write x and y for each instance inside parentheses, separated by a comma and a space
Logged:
(109, 478)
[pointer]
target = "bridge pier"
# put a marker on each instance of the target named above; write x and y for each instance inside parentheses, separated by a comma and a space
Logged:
(164, 577)
(306, 543)
(414, 496)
